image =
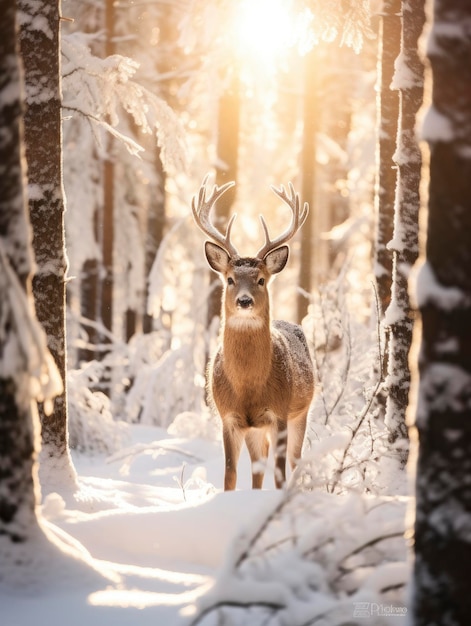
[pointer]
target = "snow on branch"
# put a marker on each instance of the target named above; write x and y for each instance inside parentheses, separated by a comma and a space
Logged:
(309, 559)
(24, 343)
(103, 89)
(350, 25)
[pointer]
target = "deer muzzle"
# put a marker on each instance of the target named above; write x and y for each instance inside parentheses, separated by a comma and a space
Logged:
(244, 302)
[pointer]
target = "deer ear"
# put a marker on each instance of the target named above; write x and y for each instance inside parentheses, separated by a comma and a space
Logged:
(216, 256)
(276, 259)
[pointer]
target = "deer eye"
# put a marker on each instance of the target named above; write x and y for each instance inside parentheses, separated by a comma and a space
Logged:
(230, 281)
(261, 282)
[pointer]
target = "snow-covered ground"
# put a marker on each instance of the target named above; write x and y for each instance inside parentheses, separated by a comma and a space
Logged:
(151, 539)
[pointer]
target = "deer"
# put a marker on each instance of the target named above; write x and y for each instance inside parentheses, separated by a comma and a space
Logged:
(260, 378)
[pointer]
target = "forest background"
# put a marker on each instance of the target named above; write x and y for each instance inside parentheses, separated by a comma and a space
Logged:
(127, 106)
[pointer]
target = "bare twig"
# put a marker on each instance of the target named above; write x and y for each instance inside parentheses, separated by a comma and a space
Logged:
(346, 373)
(287, 496)
(273, 606)
(144, 447)
(180, 481)
(373, 542)
(369, 403)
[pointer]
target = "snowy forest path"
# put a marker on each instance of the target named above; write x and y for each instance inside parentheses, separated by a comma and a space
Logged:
(151, 517)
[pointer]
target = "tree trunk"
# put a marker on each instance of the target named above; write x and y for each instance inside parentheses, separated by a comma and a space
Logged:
(339, 84)
(17, 442)
(388, 112)
(405, 245)
(308, 170)
(442, 568)
(107, 225)
(39, 36)
(155, 229)
(226, 170)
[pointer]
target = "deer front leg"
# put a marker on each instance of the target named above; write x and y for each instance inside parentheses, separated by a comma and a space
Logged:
(233, 438)
(280, 438)
(296, 432)
(257, 444)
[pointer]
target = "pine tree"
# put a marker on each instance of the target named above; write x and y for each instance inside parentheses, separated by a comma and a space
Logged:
(443, 497)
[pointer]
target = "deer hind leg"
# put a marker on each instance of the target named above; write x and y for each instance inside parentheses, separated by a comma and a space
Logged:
(296, 432)
(233, 439)
(257, 444)
(279, 436)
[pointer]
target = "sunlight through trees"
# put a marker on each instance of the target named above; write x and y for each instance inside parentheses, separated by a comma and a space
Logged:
(112, 112)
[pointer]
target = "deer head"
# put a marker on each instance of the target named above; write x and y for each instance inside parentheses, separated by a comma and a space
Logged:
(246, 279)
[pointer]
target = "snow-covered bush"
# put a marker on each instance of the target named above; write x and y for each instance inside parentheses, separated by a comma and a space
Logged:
(92, 428)
(196, 425)
(344, 419)
(164, 389)
(313, 559)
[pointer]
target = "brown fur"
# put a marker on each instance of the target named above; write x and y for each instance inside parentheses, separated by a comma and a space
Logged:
(261, 378)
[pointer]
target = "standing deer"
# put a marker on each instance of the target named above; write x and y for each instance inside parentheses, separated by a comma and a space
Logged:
(261, 377)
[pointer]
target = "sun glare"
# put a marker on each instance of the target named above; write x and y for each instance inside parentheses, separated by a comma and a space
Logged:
(264, 29)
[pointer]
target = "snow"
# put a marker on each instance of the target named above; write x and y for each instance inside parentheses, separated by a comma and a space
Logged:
(437, 127)
(144, 533)
(427, 290)
(404, 77)
(150, 538)
(447, 389)
(148, 535)
(26, 348)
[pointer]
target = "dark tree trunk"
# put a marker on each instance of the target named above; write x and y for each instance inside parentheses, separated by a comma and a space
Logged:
(388, 112)
(107, 225)
(405, 245)
(442, 568)
(89, 302)
(17, 488)
(43, 137)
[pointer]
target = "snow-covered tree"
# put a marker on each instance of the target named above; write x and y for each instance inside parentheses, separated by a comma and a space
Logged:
(443, 496)
(39, 37)
(409, 79)
(387, 115)
(24, 371)
(120, 95)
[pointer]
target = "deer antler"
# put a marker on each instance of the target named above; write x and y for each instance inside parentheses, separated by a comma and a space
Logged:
(297, 220)
(201, 208)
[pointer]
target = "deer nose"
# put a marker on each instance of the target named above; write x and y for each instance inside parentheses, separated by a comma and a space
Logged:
(244, 302)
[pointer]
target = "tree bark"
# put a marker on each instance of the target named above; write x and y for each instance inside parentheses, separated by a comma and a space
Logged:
(17, 442)
(107, 225)
(388, 112)
(442, 568)
(405, 245)
(39, 36)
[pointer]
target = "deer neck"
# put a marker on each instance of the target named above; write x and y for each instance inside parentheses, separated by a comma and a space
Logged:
(247, 350)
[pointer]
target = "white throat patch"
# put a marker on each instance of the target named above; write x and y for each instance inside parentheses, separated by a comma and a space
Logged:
(245, 320)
